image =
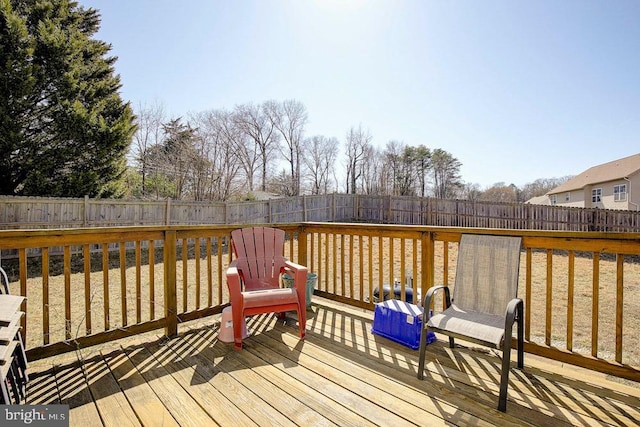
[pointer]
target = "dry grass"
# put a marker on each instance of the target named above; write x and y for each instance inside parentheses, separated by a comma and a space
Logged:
(347, 283)
(584, 306)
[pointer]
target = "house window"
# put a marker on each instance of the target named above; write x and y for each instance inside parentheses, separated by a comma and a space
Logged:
(567, 197)
(596, 195)
(553, 199)
(620, 193)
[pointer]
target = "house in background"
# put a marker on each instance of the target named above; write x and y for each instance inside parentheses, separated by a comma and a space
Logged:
(539, 200)
(612, 185)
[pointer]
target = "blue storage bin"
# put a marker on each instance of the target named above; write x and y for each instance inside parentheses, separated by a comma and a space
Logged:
(399, 321)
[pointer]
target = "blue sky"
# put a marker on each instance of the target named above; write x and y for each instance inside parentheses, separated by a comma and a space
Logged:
(516, 90)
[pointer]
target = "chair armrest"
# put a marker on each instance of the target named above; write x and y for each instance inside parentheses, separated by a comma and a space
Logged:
(293, 266)
(299, 273)
(427, 299)
(512, 311)
(234, 283)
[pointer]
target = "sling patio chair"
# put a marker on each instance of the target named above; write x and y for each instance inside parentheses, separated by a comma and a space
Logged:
(484, 304)
(253, 278)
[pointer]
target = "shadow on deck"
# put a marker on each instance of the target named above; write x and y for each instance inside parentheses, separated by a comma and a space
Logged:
(340, 374)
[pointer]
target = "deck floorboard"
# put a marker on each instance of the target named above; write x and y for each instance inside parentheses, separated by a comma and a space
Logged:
(340, 375)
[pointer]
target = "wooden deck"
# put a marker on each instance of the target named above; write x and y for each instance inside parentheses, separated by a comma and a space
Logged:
(340, 374)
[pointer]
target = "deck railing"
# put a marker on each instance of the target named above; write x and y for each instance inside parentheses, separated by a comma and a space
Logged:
(581, 290)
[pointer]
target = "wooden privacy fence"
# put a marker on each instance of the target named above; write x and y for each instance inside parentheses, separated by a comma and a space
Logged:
(580, 289)
(35, 212)
(40, 212)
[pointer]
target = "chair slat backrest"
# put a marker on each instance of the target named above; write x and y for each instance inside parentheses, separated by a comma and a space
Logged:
(487, 273)
(260, 256)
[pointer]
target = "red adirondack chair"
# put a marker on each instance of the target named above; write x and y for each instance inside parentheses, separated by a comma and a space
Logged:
(254, 278)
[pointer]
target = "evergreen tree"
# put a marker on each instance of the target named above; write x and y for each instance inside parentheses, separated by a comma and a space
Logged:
(446, 174)
(179, 154)
(64, 130)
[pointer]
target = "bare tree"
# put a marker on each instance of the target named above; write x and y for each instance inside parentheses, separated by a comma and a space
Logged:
(500, 192)
(289, 118)
(219, 137)
(541, 186)
(358, 140)
(376, 174)
(400, 160)
(471, 191)
(199, 170)
(319, 158)
(148, 134)
(256, 152)
(280, 183)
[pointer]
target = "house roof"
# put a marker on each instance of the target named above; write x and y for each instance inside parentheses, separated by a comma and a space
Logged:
(539, 200)
(605, 172)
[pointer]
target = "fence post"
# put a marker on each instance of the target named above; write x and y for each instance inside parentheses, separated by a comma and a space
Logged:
(168, 212)
(356, 207)
(170, 290)
(333, 206)
(304, 208)
(85, 215)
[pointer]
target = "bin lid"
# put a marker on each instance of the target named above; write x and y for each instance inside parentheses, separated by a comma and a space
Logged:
(401, 306)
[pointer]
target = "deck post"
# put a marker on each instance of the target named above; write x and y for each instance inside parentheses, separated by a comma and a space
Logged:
(303, 257)
(170, 292)
(427, 278)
